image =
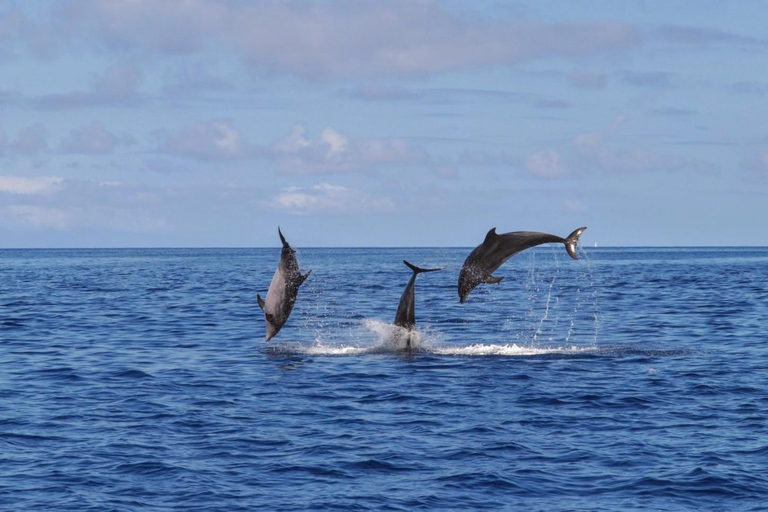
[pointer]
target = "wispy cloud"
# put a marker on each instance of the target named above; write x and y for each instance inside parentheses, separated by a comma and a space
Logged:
(552, 104)
(30, 186)
(599, 150)
(117, 86)
(30, 140)
(34, 216)
(744, 87)
(345, 38)
(545, 164)
(93, 139)
(757, 163)
(213, 140)
(328, 199)
(673, 112)
(587, 79)
(379, 92)
(47, 202)
(704, 36)
(334, 152)
(647, 79)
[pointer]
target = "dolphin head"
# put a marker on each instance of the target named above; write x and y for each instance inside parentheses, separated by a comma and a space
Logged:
(272, 329)
(272, 326)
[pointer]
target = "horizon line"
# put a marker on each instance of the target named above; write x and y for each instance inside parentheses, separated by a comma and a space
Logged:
(367, 247)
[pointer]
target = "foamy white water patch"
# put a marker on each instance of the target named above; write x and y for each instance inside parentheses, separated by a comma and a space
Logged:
(373, 337)
(378, 337)
(508, 350)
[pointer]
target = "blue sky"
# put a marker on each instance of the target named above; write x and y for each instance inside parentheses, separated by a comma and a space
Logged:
(397, 123)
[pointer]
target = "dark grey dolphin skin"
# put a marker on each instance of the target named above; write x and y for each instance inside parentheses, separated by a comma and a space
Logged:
(283, 290)
(405, 316)
(496, 249)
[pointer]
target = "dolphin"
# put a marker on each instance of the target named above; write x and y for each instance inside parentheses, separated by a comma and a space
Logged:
(283, 290)
(496, 249)
(405, 316)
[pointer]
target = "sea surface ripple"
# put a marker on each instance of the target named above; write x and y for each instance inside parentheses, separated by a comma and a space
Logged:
(139, 379)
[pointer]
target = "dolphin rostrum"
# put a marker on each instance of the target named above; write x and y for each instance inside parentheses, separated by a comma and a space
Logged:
(405, 316)
(283, 290)
(496, 249)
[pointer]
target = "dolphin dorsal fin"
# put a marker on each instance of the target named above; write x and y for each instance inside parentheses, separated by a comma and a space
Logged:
(491, 235)
(261, 301)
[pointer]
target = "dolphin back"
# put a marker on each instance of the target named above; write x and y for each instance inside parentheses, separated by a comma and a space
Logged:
(405, 316)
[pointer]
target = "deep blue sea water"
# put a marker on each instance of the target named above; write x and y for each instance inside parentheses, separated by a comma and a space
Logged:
(632, 379)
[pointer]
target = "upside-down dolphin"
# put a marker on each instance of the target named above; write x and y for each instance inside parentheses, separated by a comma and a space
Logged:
(405, 316)
(283, 290)
(496, 249)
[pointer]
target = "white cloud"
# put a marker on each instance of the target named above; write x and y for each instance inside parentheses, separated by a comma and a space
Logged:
(343, 38)
(29, 186)
(335, 152)
(215, 140)
(545, 164)
(328, 199)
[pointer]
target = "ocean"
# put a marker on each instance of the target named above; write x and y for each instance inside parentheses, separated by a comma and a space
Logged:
(139, 379)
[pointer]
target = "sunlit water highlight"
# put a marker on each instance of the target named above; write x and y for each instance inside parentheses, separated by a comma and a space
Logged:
(632, 379)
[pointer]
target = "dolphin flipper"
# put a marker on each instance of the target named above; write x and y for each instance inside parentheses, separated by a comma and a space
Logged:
(572, 241)
(304, 277)
(492, 280)
(282, 238)
(261, 301)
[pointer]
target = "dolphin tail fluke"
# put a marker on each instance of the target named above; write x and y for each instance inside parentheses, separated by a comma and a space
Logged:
(572, 241)
(304, 277)
(261, 301)
(282, 238)
(418, 270)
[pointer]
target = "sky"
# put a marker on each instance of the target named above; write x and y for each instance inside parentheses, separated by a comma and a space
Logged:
(208, 123)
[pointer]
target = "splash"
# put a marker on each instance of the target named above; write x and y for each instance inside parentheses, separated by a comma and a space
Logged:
(373, 337)
(509, 350)
(378, 337)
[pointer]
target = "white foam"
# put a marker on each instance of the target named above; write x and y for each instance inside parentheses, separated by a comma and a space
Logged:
(378, 337)
(508, 350)
(374, 337)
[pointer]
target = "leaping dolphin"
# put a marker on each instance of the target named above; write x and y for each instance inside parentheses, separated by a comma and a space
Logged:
(496, 249)
(283, 290)
(405, 316)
